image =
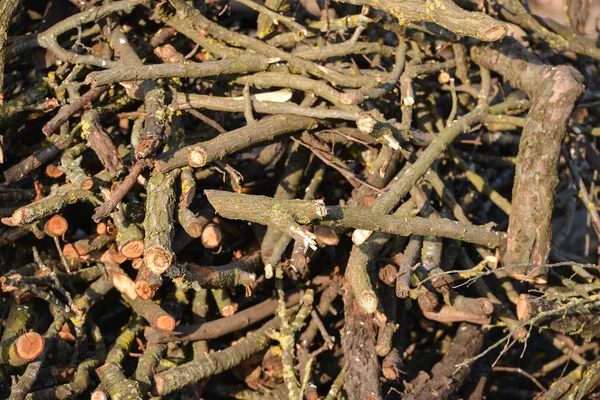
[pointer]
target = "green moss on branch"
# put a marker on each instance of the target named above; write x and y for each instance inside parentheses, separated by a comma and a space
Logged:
(158, 223)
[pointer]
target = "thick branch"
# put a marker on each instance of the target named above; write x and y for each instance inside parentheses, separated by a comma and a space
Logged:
(553, 92)
(7, 10)
(442, 12)
(266, 210)
(199, 155)
(158, 224)
(445, 378)
(195, 70)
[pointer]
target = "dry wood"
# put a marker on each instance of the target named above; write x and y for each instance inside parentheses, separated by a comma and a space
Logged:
(404, 166)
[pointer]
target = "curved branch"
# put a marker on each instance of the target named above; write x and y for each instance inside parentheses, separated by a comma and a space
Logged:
(553, 92)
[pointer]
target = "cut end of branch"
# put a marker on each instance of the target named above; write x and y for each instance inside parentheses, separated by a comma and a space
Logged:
(70, 251)
(521, 334)
(137, 263)
(352, 98)
(388, 274)
(487, 307)
(327, 235)
(359, 236)
(524, 309)
(479, 306)
(87, 184)
(57, 225)
(402, 289)
(18, 218)
(269, 271)
(366, 123)
(165, 323)
(98, 395)
(101, 369)
(29, 346)
(133, 249)
(143, 289)
(53, 171)
(391, 367)
(197, 157)
(158, 259)
(428, 302)
(211, 236)
(228, 310)
(91, 80)
(66, 335)
(494, 33)
(368, 302)
(194, 229)
(102, 228)
(112, 256)
(160, 385)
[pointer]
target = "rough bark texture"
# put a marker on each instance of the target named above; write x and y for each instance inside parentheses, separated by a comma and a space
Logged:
(158, 224)
(266, 210)
(251, 155)
(230, 142)
(444, 13)
(7, 10)
(553, 92)
(358, 341)
(116, 384)
(445, 379)
(222, 326)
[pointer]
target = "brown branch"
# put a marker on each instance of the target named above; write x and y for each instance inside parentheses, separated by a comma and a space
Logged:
(214, 363)
(446, 379)
(220, 327)
(158, 222)
(553, 92)
(358, 342)
(236, 273)
(120, 191)
(8, 8)
(266, 210)
(193, 70)
(153, 313)
(100, 142)
(37, 159)
(83, 102)
(444, 13)
(230, 142)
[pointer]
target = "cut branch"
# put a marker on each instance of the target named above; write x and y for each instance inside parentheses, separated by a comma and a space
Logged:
(236, 140)
(265, 210)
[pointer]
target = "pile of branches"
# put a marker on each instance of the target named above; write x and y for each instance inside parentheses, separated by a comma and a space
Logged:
(359, 200)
